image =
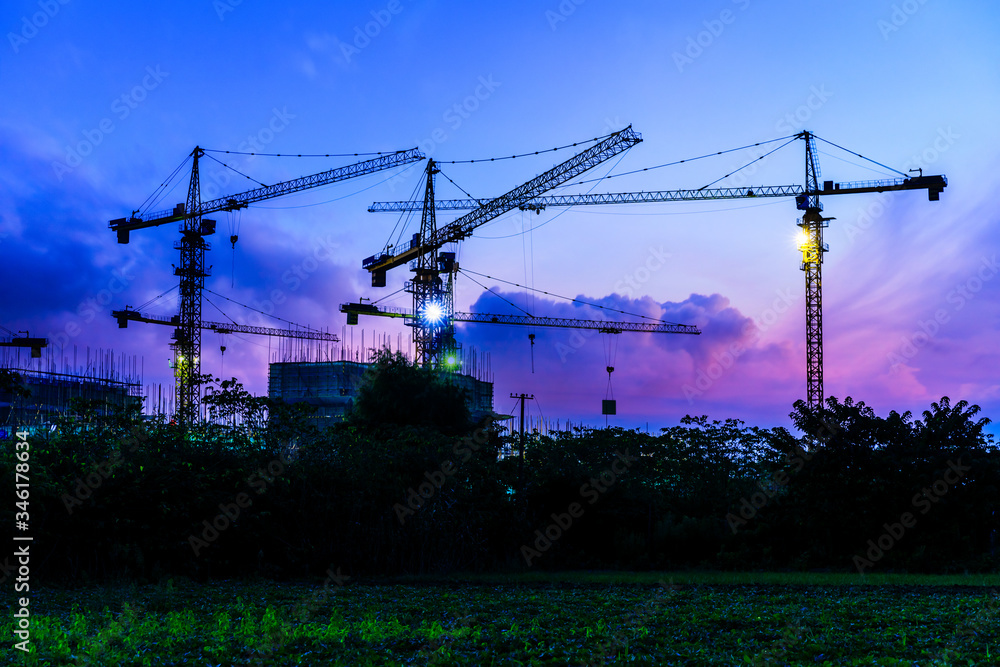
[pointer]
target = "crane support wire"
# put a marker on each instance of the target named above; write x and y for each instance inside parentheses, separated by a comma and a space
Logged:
(157, 297)
(557, 215)
(294, 324)
(221, 311)
(512, 157)
(586, 303)
(249, 178)
(498, 295)
(691, 159)
(478, 200)
(150, 199)
(405, 216)
(748, 164)
(863, 157)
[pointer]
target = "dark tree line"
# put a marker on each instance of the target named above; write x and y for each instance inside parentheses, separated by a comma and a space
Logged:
(408, 483)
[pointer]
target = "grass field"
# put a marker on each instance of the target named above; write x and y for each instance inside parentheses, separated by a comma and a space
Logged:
(532, 619)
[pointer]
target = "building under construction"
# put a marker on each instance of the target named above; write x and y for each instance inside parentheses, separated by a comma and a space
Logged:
(329, 377)
(46, 386)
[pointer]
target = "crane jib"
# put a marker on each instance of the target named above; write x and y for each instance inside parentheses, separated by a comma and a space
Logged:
(235, 202)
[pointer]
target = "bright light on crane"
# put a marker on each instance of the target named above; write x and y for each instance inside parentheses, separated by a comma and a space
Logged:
(434, 313)
(802, 239)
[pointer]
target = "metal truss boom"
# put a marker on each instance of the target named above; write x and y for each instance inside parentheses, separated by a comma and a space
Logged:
(931, 183)
(123, 226)
(604, 326)
(126, 316)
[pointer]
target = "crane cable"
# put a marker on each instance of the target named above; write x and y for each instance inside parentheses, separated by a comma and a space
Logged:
(404, 218)
(562, 212)
(512, 157)
(586, 303)
(610, 356)
(211, 150)
(748, 164)
(234, 169)
(234, 219)
(524, 260)
(499, 296)
(294, 324)
(157, 297)
(464, 191)
(152, 199)
(862, 157)
(690, 159)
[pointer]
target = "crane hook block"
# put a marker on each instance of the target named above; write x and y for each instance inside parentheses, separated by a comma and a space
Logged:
(611, 369)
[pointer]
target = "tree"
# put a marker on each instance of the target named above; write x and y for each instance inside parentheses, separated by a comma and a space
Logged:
(396, 391)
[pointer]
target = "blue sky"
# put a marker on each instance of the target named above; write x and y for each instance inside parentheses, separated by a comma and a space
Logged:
(101, 103)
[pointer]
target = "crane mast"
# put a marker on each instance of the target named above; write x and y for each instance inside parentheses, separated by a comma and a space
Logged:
(192, 273)
(813, 248)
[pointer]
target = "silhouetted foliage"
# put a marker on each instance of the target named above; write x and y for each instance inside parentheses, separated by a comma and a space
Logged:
(395, 391)
(120, 495)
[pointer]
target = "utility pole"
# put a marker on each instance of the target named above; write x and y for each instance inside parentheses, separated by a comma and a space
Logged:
(520, 455)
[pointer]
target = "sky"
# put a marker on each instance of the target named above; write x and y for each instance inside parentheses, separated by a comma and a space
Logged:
(103, 102)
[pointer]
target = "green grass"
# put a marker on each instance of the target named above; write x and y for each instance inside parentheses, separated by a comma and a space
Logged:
(565, 619)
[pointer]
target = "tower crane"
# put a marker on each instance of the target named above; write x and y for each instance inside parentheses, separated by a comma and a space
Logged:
(807, 199)
(433, 315)
(192, 246)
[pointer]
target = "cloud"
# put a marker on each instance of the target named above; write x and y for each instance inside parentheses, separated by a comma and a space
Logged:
(656, 376)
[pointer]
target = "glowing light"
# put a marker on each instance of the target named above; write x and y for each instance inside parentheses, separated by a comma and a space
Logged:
(451, 361)
(433, 313)
(802, 238)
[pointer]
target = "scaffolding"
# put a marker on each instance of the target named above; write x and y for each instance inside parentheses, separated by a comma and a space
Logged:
(47, 385)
